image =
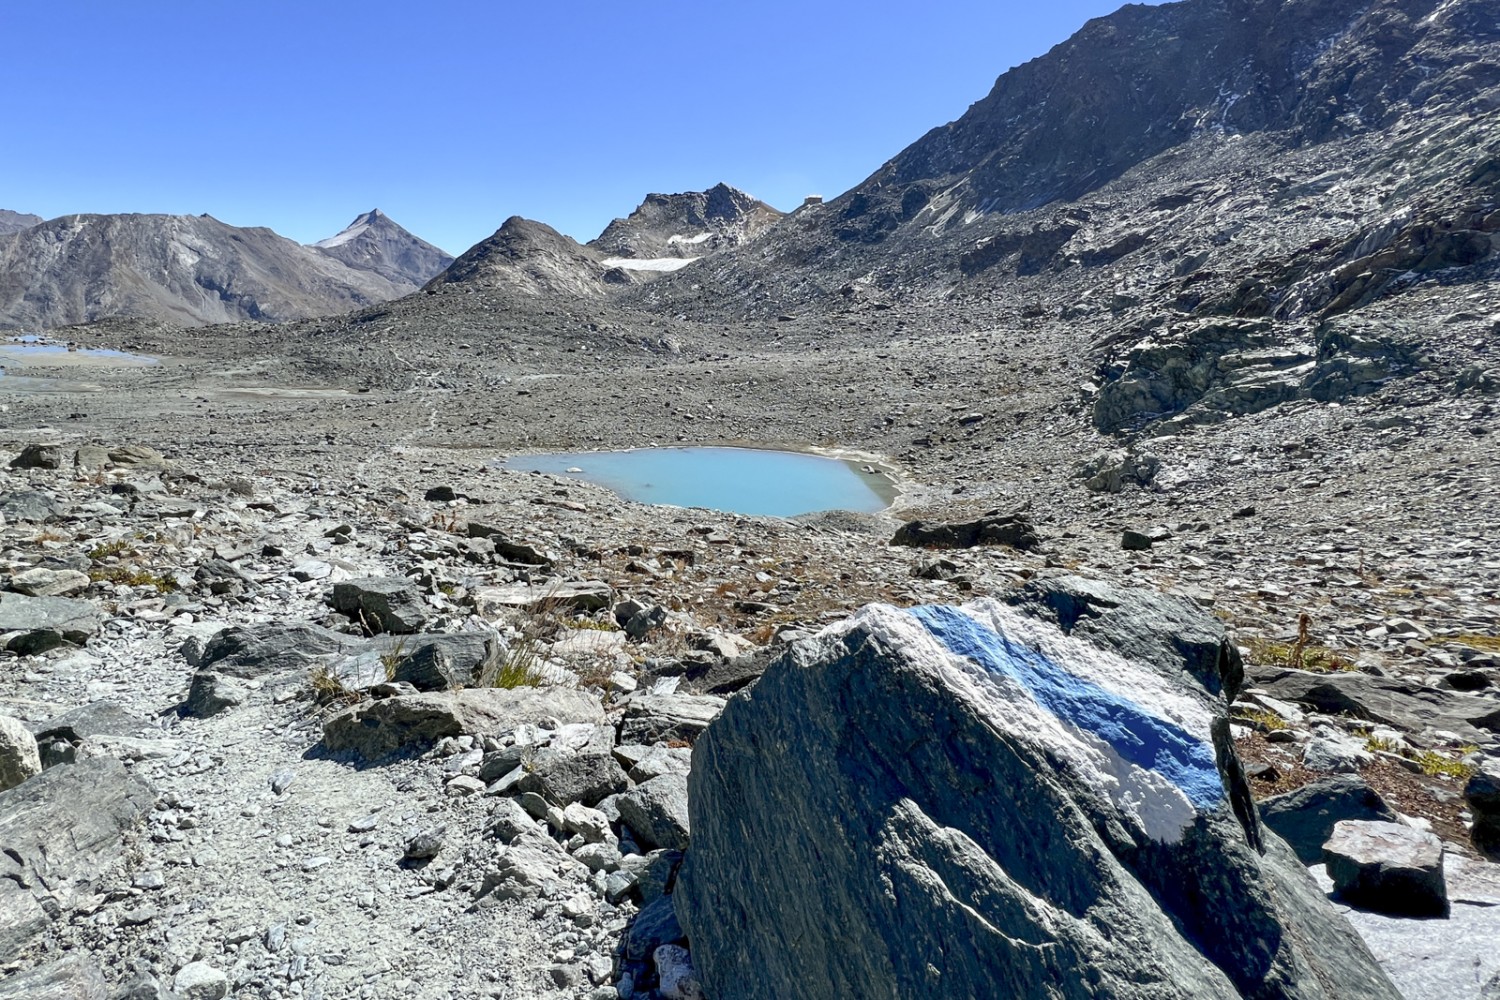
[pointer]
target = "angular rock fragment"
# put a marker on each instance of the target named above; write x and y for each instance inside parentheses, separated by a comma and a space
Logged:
(1305, 817)
(381, 604)
(1014, 530)
(1388, 868)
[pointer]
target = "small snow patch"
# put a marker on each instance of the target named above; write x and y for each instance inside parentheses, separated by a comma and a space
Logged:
(658, 264)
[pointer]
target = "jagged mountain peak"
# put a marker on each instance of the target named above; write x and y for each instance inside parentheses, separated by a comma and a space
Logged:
(15, 222)
(375, 242)
(687, 225)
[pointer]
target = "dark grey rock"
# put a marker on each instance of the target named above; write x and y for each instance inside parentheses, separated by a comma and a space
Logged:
(1135, 541)
(381, 604)
(381, 727)
(440, 662)
(1387, 867)
(657, 811)
(1305, 817)
(562, 777)
(1482, 793)
(893, 808)
(426, 844)
(653, 717)
(58, 832)
(995, 528)
(1400, 702)
(657, 924)
(74, 977)
(29, 506)
(39, 456)
(48, 621)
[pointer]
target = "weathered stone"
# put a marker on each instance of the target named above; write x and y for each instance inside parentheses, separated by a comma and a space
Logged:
(73, 977)
(1135, 541)
(995, 528)
(29, 506)
(60, 831)
(39, 582)
(972, 791)
(591, 595)
(1400, 702)
(657, 924)
(1482, 792)
(380, 727)
(654, 717)
(1305, 817)
(68, 620)
(657, 811)
(562, 777)
(39, 456)
(1387, 867)
(509, 549)
(440, 662)
(19, 758)
(381, 604)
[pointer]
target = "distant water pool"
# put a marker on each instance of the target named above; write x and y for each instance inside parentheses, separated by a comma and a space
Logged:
(31, 349)
(737, 480)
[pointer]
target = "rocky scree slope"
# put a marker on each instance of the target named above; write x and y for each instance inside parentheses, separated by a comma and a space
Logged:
(186, 270)
(372, 242)
(1304, 166)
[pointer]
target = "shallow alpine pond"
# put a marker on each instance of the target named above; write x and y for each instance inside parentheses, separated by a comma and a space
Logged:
(736, 480)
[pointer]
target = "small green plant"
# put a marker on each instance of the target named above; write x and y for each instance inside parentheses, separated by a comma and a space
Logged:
(1318, 659)
(1380, 744)
(119, 548)
(1435, 765)
(1266, 722)
(522, 666)
(133, 576)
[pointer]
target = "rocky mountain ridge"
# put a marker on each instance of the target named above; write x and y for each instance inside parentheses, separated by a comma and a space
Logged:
(14, 222)
(195, 270)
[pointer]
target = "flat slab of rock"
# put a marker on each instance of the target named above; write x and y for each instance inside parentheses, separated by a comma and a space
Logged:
(58, 831)
(589, 595)
(381, 603)
(41, 582)
(653, 717)
(975, 791)
(75, 977)
(378, 728)
(1393, 701)
(1388, 868)
(70, 620)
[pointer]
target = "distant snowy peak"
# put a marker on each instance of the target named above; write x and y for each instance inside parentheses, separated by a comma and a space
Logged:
(687, 225)
(354, 230)
(372, 242)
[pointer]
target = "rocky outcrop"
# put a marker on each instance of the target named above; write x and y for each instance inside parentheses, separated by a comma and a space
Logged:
(691, 224)
(973, 802)
(372, 242)
(187, 270)
(1305, 817)
(995, 528)
(528, 257)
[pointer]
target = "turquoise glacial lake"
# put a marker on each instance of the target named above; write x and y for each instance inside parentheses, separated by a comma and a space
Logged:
(737, 480)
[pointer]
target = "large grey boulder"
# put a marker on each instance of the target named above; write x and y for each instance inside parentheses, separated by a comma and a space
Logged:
(382, 604)
(19, 758)
(956, 803)
(657, 810)
(73, 977)
(29, 505)
(259, 652)
(995, 528)
(1305, 817)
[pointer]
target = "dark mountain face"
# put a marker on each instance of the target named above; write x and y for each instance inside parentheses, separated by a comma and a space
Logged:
(14, 222)
(1147, 79)
(187, 270)
(374, 243)
(693, 224)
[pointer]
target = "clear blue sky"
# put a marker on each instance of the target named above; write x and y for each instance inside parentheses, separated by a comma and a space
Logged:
(452, 116)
